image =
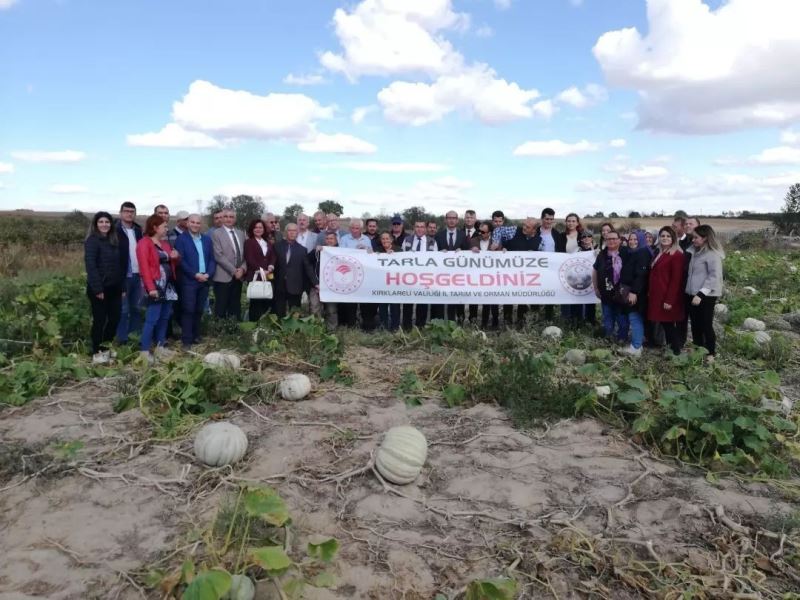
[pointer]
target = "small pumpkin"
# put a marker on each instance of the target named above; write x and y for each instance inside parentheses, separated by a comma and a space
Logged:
(761, 337)
(552, 332)
(242, 588)
(721, 310)
(295, 386)
(751, 324)
(220, 443)
(402, 454)
(602, 391)
(222, 359)
(575, 357)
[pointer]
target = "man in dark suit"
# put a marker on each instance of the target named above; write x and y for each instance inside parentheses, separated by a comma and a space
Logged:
(293, 272)
(471, 231)
(196, 268)
(129, 233)
(450, 239)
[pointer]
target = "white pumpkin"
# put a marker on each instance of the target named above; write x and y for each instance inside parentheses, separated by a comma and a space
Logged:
(242, 588)
(602, 391)
(222, 359)
(402, 454)
(761, 337)
(793, 268)
(751, 324)
(295, 386)
(575, 357)
(721, 310)
(552, 332)
(220, 443)
(750, 289)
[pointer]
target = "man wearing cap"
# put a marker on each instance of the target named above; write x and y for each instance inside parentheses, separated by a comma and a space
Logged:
(180, 227)
(398, 233)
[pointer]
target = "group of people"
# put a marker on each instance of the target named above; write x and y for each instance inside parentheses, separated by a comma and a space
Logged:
(644, 284)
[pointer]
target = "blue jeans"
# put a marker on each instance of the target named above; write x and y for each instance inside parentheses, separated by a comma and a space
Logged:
(613, 315)
(156, 319)
(637, 328)
(130, 317)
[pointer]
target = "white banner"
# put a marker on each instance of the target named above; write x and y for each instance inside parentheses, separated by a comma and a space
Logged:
(464, 277)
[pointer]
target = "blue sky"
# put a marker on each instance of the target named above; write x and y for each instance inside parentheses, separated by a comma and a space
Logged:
(383, 104)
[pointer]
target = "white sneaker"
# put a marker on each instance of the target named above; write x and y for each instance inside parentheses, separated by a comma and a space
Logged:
(101, 358)
(164, 353)
(631, 351)
(147, 356)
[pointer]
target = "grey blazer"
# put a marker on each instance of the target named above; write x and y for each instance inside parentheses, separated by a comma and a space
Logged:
(705, 273)
(225, 254)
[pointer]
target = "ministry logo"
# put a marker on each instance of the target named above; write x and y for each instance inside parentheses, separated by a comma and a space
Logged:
(343, 274)
(576, 276)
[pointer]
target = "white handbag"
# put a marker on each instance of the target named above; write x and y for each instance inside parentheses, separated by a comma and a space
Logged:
(259, 290)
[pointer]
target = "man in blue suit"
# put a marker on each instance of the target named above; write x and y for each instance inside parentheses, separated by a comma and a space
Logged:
(196, 268)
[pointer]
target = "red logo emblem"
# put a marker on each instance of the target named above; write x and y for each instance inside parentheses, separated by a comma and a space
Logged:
(343, 274)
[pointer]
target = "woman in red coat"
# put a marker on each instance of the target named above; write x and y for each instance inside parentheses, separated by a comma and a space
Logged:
(157, 263)
(259, 253)
(665, 300)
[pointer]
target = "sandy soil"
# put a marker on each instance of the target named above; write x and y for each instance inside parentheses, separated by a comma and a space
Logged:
(569, 510)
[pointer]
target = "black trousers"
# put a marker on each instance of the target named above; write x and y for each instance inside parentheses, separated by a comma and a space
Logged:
(369, 316)
(673, 336)
(488, 309)
(105, 316)
(228, 300)
(349, 316)
(282, 300)
(683, 326)
(702, 317)
(408, 315)
(257, 309)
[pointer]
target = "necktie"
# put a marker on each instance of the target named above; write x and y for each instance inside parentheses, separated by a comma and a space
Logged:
(450, 244)
(236, 248)
(419, 243)
(288, 253)
(470, 232)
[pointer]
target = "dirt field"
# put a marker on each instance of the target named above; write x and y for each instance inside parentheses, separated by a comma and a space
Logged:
(571, 511)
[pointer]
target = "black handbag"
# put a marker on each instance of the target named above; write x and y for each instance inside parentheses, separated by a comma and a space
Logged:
(620, 295)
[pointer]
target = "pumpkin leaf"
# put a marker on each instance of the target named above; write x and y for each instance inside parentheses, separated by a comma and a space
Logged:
(721, 430)
(266, 504)
(324, 580)
(271, 558)
(644, 423)
(632, 396)
(454, 394)
(499, 588)
(689, 409)
(324, 551)
(208, 585)
(294, 588)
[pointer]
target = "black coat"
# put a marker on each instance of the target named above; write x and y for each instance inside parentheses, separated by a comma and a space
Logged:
(460, 241)
(559, 238)
(634, 273)
(104, 266)
(123, 243)
(522, 243)
(293, 277)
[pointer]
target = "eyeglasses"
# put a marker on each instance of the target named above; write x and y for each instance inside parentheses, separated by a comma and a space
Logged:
(484, 232)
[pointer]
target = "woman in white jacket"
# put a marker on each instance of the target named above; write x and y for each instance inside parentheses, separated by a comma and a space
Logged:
(704, 286)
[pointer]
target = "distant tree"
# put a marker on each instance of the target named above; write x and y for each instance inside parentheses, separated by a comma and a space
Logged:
(331, 206)
(417, 213)
(247, 208)
(788, 221)
(599, 215)
(634, 214)
(291, 212)
(613, 215)
(217, 204)
(76, 219)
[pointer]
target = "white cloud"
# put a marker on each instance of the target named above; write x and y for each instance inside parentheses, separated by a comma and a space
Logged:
(310, 79)
(503, 4)
(361, 112)
(4, 4)
(281, 195)
(645, 172)
(41, 156)
(6, 167)
(780, 155)
(484, 31)
(337, 143)
(437, 196)
(617, 143)
(384, 167)
(699, 70)
(384, 37)
(545, 109)
(67, 188)
(592, 94)
(226, 114)
(790, 138)
(476, 91)
(173, 135)
(555, 148)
